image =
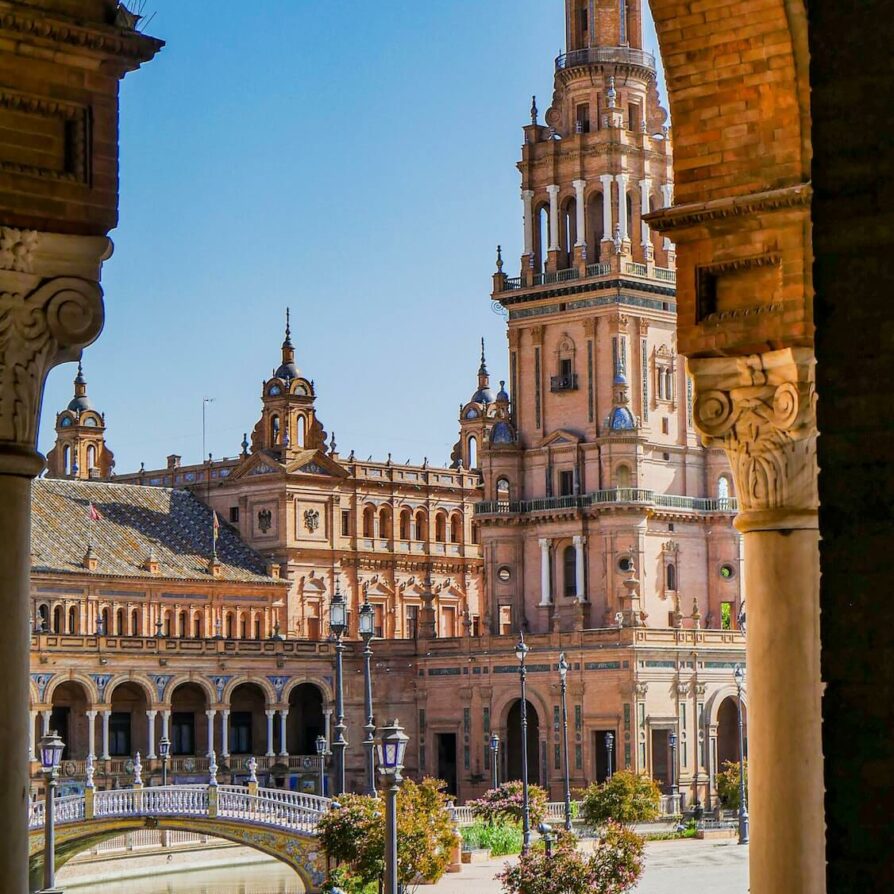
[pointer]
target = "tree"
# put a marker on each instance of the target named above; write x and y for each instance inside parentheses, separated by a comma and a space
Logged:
(614, 867)
(728, 784)
(506, 803)
(626, 798)
(354, 835)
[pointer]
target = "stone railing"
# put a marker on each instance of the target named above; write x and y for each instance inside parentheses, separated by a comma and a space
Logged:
(555, 810)
(600, 55)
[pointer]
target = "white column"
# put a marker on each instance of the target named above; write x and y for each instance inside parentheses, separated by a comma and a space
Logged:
(608, 218)
(210, 715)
(165, 724)
(579, 543)
(528, 199)
(667, 194)
(644, 187)
(553, 191)
(33, 716)
(580, 187)
(546, 596)
(283, 746)
(150, 749)
(45, 718)
(270, 751)
(622, 205)
(327, 724)
(91, 734)
(106, 716)
(225, 732)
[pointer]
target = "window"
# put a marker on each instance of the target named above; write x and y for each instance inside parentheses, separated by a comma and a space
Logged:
(412, 621)
(440, 528)
(504, 573)
(234, 515)
(622, 476)
(634, 116)
(183, 732)
(72, 620)
(91, 457)
(43, 618)
(727, 572)
(119, 734)
(448, 622)
(582, 116)
(385, 523)
(134, 623)
(566, 483)
(625, 564)
(421, 528)
(66, 460)
(723, 488)
(58, 619)
(505, 619)
(345, 522)
(243, 627)
(369, 515)
(378, 620)
(106, 622)
(473, 452)
(240, 732)
(405, 524)
(476, 626)
(257, 628)
(565, 366)
(569, 571)
(665, 425)
(456, 529)
(197, 628)
(502, 489)
(314, 629)
(119, 622)
(302, 430)
(274, 429)
(670, 574)
(726, 616)
(183, 627)
(230, 627)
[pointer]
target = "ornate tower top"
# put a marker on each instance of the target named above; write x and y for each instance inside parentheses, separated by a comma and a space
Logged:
(603, 23)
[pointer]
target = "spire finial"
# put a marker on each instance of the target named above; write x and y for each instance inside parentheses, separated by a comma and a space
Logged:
(499, 259)
(288, 340)
(534, 110)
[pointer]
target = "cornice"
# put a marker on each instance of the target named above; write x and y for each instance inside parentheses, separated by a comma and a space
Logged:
(678, 217)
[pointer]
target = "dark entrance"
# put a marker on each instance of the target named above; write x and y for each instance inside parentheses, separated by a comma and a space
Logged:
(446, 745)
(514, 740)
(661, 759)
(600, 755)
(728, 733)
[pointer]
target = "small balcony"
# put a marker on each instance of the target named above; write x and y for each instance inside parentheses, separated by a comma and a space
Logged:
(567, 382)
(601, 55)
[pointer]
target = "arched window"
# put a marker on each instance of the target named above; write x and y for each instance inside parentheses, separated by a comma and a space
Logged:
(671, 576)
(243, 626)
(72, 620)
(723, 488)
(168, 624)
(43, 617)
(66, 460)
(622, 476)
(184, 625)
(385, 523)
(456, 529)
(474, 534)
(569, 570)
(669, 383)
(440, 527)
(473, 452)
(106, 622)
(274, 429)
(257, 628)
(503, 490)
(197, 627)
(91, 457)
(568, 232)
(541, 238)
(404, 524)
(134, 623)
(119, 622)
(228, 632)
(369, 516)
(421, 527)
(595, 227)
(302, 430)
(57, 620)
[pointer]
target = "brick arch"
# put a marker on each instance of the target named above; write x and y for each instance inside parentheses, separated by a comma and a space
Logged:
(712, 706)
(263, 684)
(324, 687)
(73, 677)
(203, 682)
(137, 680)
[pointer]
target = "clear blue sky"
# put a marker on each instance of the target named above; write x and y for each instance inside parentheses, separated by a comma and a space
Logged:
(352, 159)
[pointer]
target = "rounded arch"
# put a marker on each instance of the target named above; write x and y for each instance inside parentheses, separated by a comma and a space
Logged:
(138, 680)
(567, 230)
(541, 235)
(306, 720)
(472, 449)
(262, 682)
(513, 741)
(728, 731)
(405, 523)
(73, 625)
(202, 682)
(622, 476)
(441, 526)
(420, 525)
(712, 706)
(72, 677)
(326, 692)
(385, 522)
(369, 520)
(301, 430)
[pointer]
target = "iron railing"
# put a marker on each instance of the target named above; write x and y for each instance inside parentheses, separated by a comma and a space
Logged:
(600, 55)
(629, 495)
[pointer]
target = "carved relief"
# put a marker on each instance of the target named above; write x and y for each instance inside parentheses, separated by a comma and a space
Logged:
(762, 410)
(17, 249)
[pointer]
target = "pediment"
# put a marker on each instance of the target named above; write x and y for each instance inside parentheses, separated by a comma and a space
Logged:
(260, 463)
(560, 437)
(315, 462)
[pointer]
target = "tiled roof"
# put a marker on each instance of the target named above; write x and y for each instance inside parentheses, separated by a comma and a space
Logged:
(174, 524)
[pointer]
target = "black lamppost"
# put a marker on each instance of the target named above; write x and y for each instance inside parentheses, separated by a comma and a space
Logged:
(609, 747)
(494, 760)
(546, 832)
(391, 762)
(672, 741)
(164, 752)
(320, 743)
(338, 624)
(367, 621)
(739, 674)
(563, 675)
(51, 748)
(521, 651)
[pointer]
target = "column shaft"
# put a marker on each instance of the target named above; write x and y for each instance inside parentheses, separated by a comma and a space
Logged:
(283, 745)
(33, 717)
(270, 752)
(608, 223)
(623, 222)
(45, 720)
(150, 745)
(225, 732)
(528, 199)
(580, 187)
(106, 716)
(546, 596)
(579, 544)
(644, 186)
(553, 217)
(91, 734)
(210, 715)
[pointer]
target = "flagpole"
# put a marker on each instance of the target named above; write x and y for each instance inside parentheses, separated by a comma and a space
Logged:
(205, 402)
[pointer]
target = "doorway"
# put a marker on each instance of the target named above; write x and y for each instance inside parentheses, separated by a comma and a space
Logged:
(446, 747)
(661, 759)
(514, 740)
(600, 755)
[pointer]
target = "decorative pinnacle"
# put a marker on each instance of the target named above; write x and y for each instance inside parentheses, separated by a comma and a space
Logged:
(288, 340)
(499, 259)
(534, 110)
(483, 368)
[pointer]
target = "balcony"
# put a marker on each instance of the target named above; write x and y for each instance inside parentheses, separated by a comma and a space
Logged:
(623, 495)
(601, 55)
(567, 382)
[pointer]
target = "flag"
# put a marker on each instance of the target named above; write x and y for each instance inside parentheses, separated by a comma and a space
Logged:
(94, 513)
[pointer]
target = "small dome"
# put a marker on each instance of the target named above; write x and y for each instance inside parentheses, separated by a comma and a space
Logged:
(287, 371)
(483, 396)
(502, 394)
(80, 403)
(621, 419)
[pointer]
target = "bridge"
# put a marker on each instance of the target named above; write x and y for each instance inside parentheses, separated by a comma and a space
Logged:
(279, 823)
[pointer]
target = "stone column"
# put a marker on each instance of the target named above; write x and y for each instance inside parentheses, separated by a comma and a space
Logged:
(761, 410)
(106, 716)
(546, 596)
(327, 724)
(528, 199)
(580, 187)
(33, 717)
(45, 720)
(644, 187)
(667, 196)
(270, 752)
(91, 734)
(165, 723)
(580, 543)
(283, 745)
(210, 714)
(608, 219)
(150, 745)
(622, 206)
(225, 733)
(553, 191)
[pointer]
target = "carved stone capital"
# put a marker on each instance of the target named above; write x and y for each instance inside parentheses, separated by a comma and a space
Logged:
(50, 309)
(761, 409)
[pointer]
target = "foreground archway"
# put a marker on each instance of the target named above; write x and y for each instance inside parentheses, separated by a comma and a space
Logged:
(514, 743)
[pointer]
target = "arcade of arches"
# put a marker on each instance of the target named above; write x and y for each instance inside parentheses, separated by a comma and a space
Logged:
(780, 225)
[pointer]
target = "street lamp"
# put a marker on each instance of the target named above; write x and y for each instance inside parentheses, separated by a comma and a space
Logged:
(521, 651)
(51, 748)
(672, 741)
(367, 620)
(609, 747)
(563, 677)
(164, 752)
(546, 833)
(320, 743)
(338, 624)
(739, 674)
(494, 760)
(392, 748)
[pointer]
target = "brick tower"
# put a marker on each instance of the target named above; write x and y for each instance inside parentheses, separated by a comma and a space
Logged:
(601, 502)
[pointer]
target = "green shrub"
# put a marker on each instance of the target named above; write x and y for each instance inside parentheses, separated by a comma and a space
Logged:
(500, 838)
(626, 798)
(505, 803)
(728, 784)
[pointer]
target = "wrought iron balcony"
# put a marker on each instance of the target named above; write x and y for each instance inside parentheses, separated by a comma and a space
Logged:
(563, 383)
(600, 55)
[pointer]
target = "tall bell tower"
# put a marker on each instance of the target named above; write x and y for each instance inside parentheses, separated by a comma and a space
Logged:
(600, 421)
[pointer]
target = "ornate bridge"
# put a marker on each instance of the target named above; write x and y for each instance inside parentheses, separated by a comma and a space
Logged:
(279, 823)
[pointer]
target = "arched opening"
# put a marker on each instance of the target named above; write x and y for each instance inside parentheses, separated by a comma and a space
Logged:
(243, 626)
(514, 743)
(119, 622)
(456, 528)
(248, 721)
(128, 725)
(595, 227)
(440, 527)
(106, 616)
(168, 624)
(257, 627)
(369, 521)
(723, 488)
(473, 452)
(69, 718)
(91, 457)
(305, 721)
(58, 619)
(503, 493)
(230, 625)
(73, 620)
(43, 617)
(134, 623)
(198, 626)
(385, 523)
(189, 734)
(405, 520)
(541, 238)
(728, 732)
(274, 429)
(183, 625)
(66, 459)
(670, 574)
(301, 430)
(420, 526)
(622, 476)
(569, 571)
(630, 222)
(568, 232)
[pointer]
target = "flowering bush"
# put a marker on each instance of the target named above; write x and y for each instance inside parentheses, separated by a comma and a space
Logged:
(505, 803)
(626, 798)
(354, 835)
(728, 784)
(614, 867)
